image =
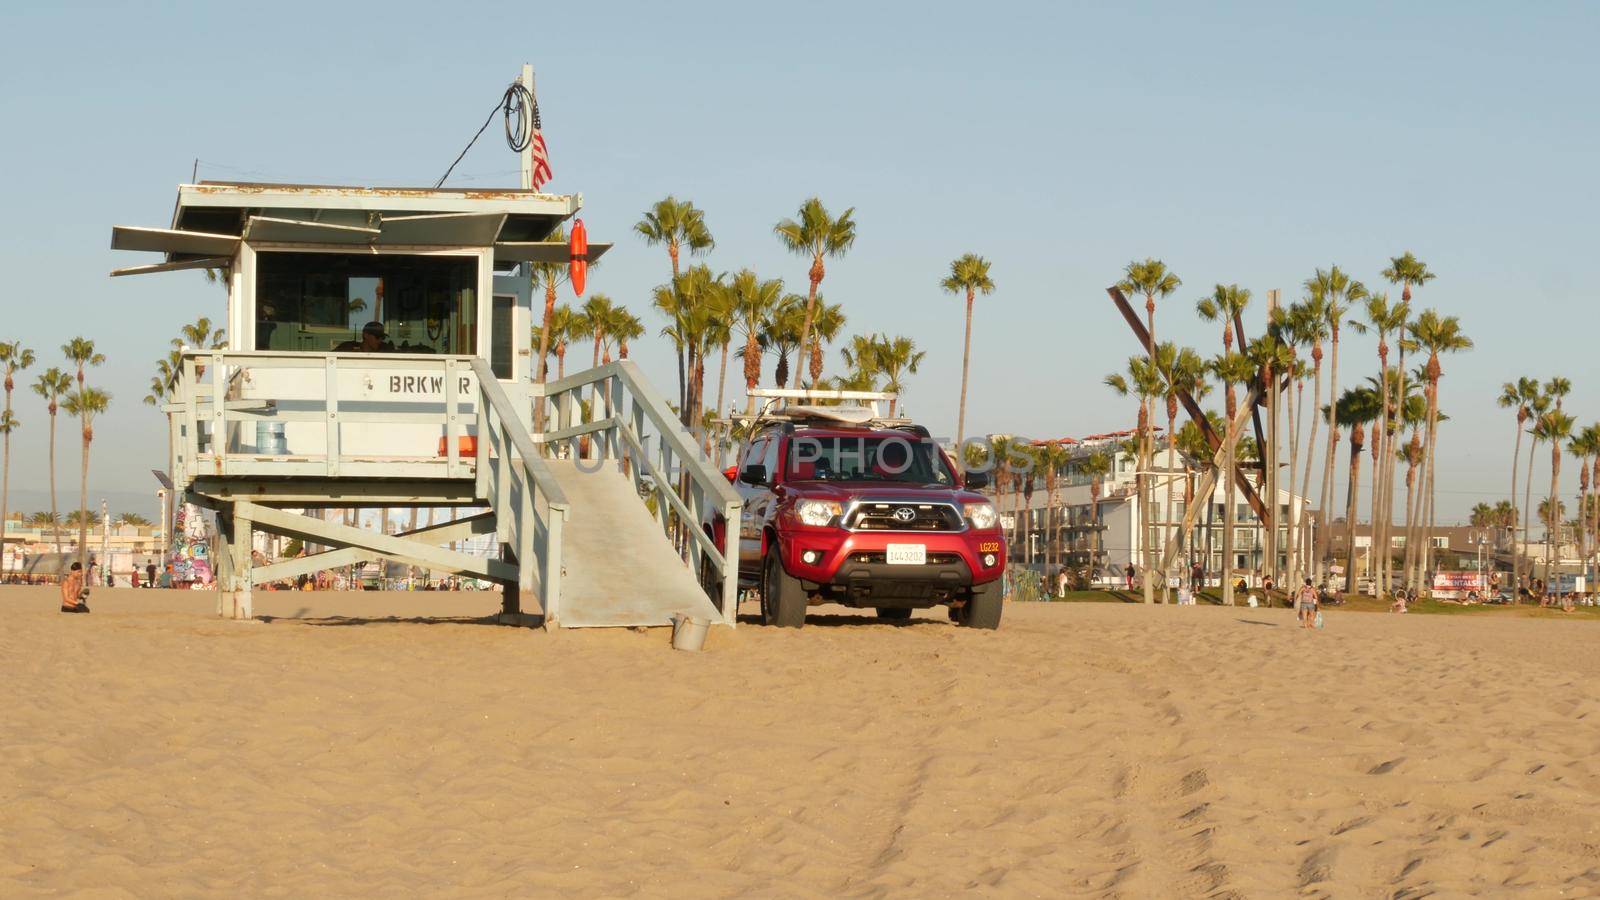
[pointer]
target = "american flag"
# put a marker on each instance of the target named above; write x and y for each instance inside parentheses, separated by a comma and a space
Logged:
(541, 154)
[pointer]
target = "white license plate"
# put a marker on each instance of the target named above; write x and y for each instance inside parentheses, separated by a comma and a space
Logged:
(906, 555)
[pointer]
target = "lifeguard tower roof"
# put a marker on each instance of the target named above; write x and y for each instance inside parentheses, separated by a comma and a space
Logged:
(212, 218)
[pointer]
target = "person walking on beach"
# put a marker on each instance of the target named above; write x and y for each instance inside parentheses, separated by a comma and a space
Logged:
(1306, 603)
(72, 600)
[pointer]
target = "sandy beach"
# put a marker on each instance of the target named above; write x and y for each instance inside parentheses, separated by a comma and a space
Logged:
(352, 744)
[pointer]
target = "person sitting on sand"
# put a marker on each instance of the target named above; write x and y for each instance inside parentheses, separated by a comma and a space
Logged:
(73, 599)
(1306, 602)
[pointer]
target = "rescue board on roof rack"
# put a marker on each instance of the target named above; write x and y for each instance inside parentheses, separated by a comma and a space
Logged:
(854, 407)
(843, 415)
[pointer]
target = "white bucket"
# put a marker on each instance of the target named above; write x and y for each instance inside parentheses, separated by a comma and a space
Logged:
(688, 632)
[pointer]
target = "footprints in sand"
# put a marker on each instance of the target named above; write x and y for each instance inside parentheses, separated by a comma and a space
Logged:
(1386, 767)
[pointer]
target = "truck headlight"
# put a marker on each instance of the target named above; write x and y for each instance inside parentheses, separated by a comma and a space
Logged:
(981, 515)
(816, 512)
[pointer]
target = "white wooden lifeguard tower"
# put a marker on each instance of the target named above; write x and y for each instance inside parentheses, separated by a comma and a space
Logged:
(380, 353)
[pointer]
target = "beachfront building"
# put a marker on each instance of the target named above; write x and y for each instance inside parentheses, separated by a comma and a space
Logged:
(1069, 532)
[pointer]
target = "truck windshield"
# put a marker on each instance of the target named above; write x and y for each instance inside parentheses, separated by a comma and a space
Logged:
(908, 460)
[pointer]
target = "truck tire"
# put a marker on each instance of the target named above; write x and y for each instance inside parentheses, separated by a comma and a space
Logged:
(783, 600)
(894, 613)
(982, 609)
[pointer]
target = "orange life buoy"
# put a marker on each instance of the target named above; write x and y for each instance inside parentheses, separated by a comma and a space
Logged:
(578, 263)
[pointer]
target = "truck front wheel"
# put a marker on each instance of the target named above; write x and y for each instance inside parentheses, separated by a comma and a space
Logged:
(783, 600)
(982, 609)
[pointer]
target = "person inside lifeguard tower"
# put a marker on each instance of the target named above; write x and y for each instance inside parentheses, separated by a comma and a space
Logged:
(373, 340)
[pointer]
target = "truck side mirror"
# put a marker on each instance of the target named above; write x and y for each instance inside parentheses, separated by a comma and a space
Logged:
(976, 480)
(756, 475)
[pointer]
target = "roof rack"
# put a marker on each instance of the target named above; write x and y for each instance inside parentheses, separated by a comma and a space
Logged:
(858, 409)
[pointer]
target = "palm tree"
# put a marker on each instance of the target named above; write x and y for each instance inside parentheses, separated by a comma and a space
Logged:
(200, 336)
(625, 327)
(1181, 371)
(1436, 334)
(1143, 380)
(1554, 427)
(897, 357)
(1230, 369)
(1095, 467)
(598, 311)
(1386, 319)
(677, 224)
(13, 358)
(782, 334)
(1334, 291)
(1538, 404)
(861, 357)
(564, 322)
(1313, 330)
(549, 276)
(53, 384)
(80, 352)
(814, 232)
(1518, 395)
(85, 403)
(131, 518)
(1411, 411)
(969, 275)
(1355, 409)
(1052, 457)
(695, 303)
(1585, 443)
(1273, 356)
(753, 302)
(825, 328)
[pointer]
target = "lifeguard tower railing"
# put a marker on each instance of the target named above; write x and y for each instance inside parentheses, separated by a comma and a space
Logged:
(224, 447)
(606, 416)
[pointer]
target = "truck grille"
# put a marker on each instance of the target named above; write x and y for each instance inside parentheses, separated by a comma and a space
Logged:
(875, 516)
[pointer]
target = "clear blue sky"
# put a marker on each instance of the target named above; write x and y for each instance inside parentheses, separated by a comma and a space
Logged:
(1248, 143)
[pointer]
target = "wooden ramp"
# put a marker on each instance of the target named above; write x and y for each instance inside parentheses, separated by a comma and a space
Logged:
(618, 566)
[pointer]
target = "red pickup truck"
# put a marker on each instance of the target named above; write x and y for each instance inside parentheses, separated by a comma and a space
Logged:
(865, 517)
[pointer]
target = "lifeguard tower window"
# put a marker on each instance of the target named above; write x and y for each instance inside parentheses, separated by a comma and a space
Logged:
(320, 302)
(500, 335)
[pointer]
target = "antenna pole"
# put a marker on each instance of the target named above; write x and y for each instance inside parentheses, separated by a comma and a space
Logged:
(526, 156)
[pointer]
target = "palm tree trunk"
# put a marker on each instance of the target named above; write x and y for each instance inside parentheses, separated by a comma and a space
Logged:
(1269, 481)
(1527, 507)
(5, 491)
(815, 278)
(1296, 403)
(1168, 533)
(55, 517)
(1146, 497)
(1516, 558)
(1411, 478)
(1229, 514)
(966, 365)
(1426, 564)
(1552, 528)
(1314, 565)
(722, 376)
(83, 501)
(1350, 506)
(1326, 499)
